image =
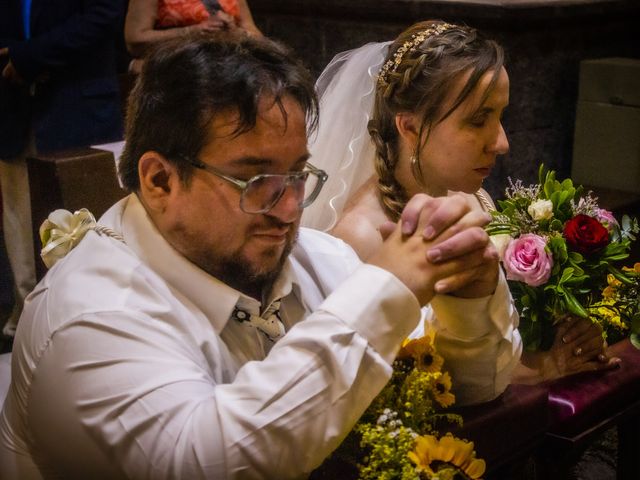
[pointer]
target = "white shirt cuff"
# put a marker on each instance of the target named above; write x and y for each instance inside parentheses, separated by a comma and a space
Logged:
(469, 318)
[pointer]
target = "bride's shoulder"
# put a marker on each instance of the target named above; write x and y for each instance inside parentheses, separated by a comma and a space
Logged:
(359, 225)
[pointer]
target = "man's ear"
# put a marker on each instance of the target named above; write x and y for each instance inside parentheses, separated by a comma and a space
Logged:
(408, 126)
(158, 178)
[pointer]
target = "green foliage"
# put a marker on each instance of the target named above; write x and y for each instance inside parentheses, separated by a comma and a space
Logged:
(576, 280)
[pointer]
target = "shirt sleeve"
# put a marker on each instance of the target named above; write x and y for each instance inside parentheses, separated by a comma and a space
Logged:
(479, 340)
(128, 391)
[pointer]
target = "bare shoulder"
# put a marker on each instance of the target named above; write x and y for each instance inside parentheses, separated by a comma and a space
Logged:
(359, 224)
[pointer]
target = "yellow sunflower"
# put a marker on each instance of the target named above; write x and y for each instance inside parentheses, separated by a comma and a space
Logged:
(422, 351)
(442, 390)
(430, 452)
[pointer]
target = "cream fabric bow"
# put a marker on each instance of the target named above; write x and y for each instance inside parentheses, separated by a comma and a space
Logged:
(62, 231)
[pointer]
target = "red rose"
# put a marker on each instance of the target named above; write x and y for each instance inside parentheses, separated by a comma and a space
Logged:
(585, 234)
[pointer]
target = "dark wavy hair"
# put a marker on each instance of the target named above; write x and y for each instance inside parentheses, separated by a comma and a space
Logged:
(187, 81)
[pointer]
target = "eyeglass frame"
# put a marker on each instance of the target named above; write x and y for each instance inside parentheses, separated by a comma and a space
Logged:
(242, 185)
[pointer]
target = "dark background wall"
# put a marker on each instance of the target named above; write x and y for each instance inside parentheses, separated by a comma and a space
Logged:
(545, 41)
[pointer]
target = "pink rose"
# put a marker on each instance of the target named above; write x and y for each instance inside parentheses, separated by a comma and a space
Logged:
(526, 260)
(606, 218)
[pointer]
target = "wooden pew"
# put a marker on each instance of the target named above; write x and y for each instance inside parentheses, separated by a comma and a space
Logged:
(508, 430)
(583, 406)
(70, 179)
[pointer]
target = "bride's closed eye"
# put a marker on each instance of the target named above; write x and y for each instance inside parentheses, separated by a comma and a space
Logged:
(478, 121)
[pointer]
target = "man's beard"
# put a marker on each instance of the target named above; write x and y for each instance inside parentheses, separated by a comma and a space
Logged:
(241, 275)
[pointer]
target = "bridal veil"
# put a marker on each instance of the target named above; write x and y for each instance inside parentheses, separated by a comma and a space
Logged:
(341, 146)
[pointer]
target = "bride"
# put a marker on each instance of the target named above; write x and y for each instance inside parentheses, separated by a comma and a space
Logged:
(423, 114)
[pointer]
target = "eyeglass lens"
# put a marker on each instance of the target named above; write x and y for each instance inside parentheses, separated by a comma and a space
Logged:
(263, 192)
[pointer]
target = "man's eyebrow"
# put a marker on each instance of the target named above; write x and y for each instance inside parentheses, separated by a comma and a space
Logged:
(251, 161)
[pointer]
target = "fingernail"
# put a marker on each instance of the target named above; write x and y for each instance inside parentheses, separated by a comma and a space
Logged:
(407, 228)
(434, 254)
(440, 286)
(428, 232)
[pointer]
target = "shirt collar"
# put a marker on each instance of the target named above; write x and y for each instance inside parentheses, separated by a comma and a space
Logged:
(213, 297)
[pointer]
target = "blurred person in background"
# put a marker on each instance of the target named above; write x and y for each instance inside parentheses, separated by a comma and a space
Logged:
(151, 21)
(58, 90)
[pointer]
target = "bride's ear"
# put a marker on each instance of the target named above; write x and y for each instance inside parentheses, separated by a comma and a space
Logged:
(408, 127)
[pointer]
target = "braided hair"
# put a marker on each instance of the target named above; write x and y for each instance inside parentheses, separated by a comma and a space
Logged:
(420, 81)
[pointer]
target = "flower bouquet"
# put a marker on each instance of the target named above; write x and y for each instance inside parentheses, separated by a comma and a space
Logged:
(558, 248)
(397, 437)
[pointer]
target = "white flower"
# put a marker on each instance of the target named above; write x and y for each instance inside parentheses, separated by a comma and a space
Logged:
(62, 231)
(541, 210)
(501, 241)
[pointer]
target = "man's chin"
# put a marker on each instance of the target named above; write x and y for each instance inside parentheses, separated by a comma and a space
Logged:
(269, 263)
(251, 273)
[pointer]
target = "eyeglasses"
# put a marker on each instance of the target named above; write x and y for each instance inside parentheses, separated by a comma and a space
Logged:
(260, 194)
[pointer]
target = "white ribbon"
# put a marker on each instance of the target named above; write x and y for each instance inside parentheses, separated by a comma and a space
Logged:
(62, 231)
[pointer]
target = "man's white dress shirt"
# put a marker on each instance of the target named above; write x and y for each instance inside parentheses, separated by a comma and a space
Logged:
(126, 362)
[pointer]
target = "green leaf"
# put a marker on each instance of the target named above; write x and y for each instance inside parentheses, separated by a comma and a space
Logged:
(531, 332)
(541, 171)
(619, 275)
(567, 273)
(574, 306)
(576, 280)
(567, 185)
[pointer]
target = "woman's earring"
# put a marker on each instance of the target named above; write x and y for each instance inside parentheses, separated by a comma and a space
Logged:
(416, 170)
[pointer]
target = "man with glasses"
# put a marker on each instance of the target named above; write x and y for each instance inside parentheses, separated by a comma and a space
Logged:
(201, 333)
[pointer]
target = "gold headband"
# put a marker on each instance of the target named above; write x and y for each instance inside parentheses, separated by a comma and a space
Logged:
(409, 46)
